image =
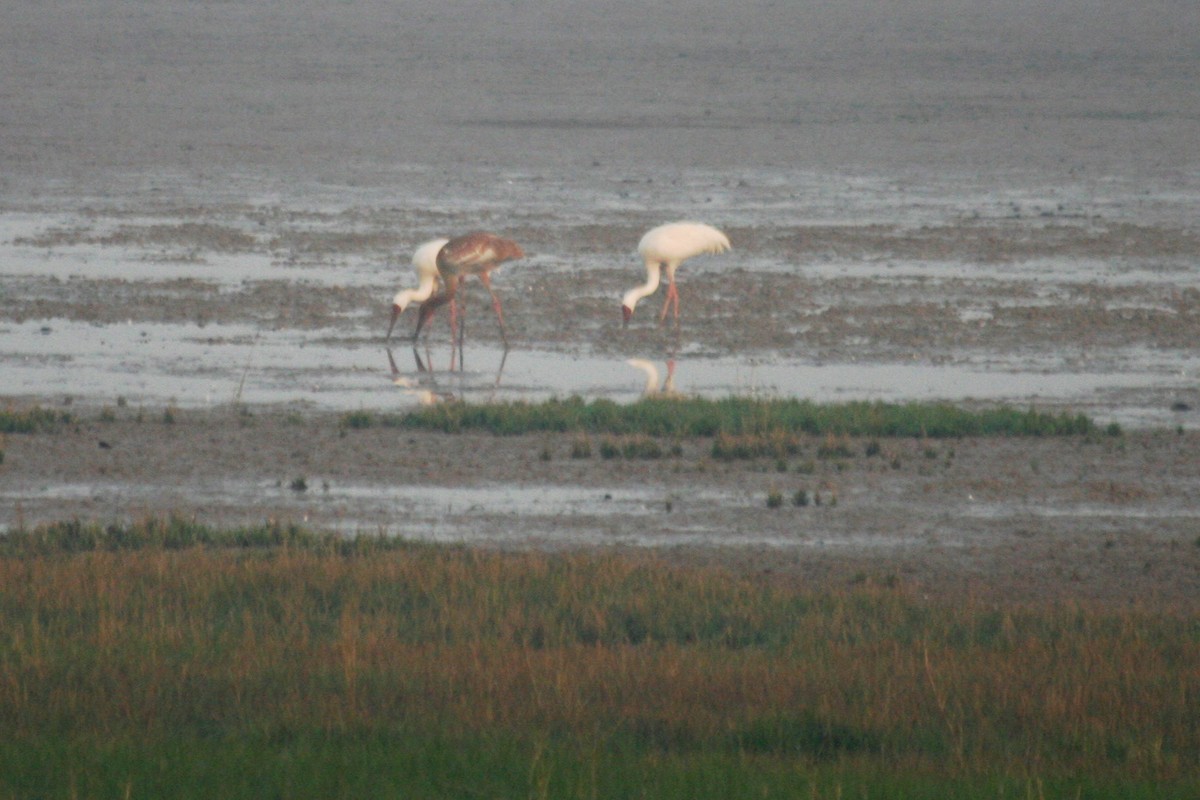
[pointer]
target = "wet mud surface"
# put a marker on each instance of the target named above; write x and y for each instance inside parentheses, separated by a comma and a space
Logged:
(205, 209)
(203, 305)
(1109, 519)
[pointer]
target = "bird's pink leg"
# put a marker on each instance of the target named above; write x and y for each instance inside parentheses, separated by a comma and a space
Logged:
(457, 318)
(487, 281)
(453, 330)
(672, 296)
(462, 324)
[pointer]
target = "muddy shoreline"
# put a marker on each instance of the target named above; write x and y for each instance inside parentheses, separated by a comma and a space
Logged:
(1110, 519)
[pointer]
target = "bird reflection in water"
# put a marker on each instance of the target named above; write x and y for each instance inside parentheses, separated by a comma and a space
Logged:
(417, 387)
(424, 383)
(652, 388)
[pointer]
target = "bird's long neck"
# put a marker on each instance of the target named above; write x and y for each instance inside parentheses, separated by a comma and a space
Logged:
(424, 287)
(418, 295)
(653, 275)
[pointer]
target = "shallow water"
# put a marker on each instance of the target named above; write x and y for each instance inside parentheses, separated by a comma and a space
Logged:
(151, 303)
(149, 364)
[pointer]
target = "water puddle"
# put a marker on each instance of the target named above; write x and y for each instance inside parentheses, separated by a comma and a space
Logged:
(157, 364)
(501, 514)
(550, 516)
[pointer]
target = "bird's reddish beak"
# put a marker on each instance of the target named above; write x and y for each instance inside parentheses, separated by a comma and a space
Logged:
(392, 324)
(626, 312)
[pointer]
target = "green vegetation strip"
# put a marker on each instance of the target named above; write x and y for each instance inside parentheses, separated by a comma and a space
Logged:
(32, 420)
(168, 659)
(179, 533)
(733, 416)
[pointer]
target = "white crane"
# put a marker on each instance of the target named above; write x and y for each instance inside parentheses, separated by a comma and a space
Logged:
(424, 260)
(666, 247)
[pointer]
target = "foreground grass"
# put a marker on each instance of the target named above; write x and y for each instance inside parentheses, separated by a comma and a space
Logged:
(167, 659)
(732, 416)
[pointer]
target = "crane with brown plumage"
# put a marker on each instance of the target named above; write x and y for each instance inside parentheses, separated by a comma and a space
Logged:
(476, 253)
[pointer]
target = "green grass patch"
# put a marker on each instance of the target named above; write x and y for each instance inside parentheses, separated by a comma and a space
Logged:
(32, 420)
(314, 765)
(737, 417)
(178, 533)
(777, 444)
(633, 446)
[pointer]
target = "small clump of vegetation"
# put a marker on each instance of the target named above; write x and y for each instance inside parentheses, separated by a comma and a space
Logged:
(357, 420)
(641, 447)
(834, 446)
(581, 447)
(33, 420)
(733, 416)
(777, 444)
(630, 447)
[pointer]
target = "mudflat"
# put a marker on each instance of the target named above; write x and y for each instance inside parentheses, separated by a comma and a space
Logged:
(1104, 518)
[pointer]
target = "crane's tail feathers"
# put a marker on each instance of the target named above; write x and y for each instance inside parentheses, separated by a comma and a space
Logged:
(720, 243)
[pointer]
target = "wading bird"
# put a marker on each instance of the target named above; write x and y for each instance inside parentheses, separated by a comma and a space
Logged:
(424, 260)
(666, 247)
(475, 253)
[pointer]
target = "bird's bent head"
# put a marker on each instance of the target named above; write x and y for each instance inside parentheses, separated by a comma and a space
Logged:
(401, 300)
(626, 312)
